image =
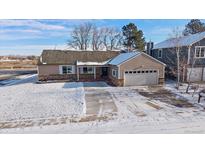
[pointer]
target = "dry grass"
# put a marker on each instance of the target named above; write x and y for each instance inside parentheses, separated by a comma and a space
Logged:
(166, 96)
(18, 64)
(154, 105)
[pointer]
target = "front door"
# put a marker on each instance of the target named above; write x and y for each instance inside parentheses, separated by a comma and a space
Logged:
(104, 71)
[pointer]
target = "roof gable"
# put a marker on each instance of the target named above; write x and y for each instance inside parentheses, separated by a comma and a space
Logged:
(124, 57)
(182, 41)
(154, 59)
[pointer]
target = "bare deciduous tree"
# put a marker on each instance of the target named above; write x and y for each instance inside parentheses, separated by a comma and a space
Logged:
(189, 75)
(97, 39)
(112, 38)
(176, 35)
(81, 36)
(87, 35)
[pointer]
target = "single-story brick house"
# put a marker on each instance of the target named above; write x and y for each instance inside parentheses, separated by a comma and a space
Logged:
(120, 69)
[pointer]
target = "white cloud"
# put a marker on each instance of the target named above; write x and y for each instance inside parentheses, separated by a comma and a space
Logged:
(29, 49)
(159, 33)
(164, 30)
(161, 30)
(14, 34)
(30, 23)
(31, 29)
(18, 31)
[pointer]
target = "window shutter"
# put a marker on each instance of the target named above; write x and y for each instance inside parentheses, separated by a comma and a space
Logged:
(60, 69)
(73, 69)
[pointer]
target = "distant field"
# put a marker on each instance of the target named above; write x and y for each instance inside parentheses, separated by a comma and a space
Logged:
(11, 69)
(20, 64)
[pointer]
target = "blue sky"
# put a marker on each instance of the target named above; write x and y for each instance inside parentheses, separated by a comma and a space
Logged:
(26, 37)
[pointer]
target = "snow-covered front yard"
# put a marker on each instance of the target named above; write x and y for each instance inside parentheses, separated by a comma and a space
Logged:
(34, 101)
(26, 107)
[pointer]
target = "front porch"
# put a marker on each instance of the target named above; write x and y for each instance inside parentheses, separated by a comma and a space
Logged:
(91, 73)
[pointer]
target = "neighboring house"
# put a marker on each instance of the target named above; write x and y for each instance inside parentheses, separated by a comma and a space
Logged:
(120, 69)
(192, 55)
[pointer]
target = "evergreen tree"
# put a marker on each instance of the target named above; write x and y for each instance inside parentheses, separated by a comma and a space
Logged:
(132, 37)
(193, 27)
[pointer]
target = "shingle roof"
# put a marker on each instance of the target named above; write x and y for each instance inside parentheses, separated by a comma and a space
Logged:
(183, 41)
(71, 57)
(123, 57)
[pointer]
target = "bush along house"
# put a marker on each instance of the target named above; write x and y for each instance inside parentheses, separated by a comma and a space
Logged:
(191, 54)
(117, 68)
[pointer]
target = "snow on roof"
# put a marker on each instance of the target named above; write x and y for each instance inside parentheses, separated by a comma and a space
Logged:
(123, 57)
(92, 63)
(183, 41)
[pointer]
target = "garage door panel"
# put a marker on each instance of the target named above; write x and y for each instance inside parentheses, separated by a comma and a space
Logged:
(194, 74)
(144, 78)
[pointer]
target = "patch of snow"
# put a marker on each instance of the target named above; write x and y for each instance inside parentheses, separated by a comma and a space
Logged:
(20, 79)
(134, 115)
(182, 41)
(123, 57)
(170, 85)
(9, 60)
(92, 63)
(33, 101)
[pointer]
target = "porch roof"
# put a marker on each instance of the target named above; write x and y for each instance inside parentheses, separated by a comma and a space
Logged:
(92, 63)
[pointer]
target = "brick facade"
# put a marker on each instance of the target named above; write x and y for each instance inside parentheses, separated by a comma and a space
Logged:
(67, 77)
(113, 80)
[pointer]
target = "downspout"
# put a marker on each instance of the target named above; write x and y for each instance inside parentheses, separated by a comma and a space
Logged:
(188, 63)
(94, 72)
(119, 73)
(189, 53)
(77, 71)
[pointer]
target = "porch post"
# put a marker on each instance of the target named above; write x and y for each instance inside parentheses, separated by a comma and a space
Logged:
(94, 72)
(77, 73)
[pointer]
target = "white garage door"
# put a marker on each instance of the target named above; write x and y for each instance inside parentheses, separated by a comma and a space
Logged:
(195, 74)
(141, 77)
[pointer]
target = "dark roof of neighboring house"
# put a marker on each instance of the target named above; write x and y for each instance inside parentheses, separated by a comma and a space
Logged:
(71, 57)
(182, 41)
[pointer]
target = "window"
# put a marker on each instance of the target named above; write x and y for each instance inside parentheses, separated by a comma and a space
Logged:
(87, 70)
(114, 73)
(200, 52)
(67, 70)
(160, 53)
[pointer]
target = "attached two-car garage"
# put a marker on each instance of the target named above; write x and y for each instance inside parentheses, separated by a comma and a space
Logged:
(136, 69)
(140, 77)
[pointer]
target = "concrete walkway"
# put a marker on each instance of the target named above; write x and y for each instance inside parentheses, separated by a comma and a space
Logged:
(98, 100)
